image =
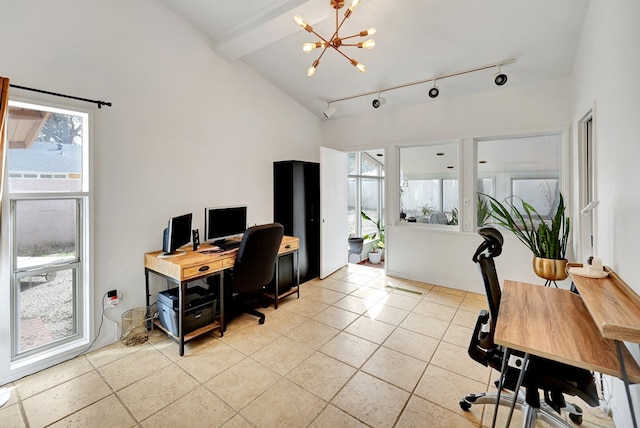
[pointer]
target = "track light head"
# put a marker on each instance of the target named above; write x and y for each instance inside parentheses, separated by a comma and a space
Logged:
(500, 78)
(329, 111)
(434, 92)
(380, 101)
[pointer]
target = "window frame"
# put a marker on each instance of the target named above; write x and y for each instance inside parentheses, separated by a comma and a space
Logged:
(49, 354)
(563, 166)
(457, 175)
(359, 178)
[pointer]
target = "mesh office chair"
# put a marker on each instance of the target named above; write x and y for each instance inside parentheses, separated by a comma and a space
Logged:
(553, 378)
(254, 266)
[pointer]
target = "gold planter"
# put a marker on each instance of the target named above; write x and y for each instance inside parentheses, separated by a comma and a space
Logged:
(550, 269)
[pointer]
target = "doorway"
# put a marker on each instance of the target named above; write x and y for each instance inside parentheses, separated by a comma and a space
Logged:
(365, 194)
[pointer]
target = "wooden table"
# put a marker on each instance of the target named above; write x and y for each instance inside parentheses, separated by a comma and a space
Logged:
(554, 323)
(583, 330)
(199, 265)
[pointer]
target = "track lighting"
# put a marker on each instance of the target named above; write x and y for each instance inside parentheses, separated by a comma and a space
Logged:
(501, 78)
(380, 101)
(434, 92)
(329, 111)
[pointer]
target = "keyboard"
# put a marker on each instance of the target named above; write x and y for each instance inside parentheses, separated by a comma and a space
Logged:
(230, 245)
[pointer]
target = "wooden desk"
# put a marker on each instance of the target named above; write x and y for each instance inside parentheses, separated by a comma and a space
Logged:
(580, 330)
(198, 265)
(555, 324)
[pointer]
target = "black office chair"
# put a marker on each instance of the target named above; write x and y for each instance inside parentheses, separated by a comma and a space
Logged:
(254, 267)
(553, 378)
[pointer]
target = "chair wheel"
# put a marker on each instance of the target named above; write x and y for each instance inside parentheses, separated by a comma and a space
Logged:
(576, 419)
(261, 321)
(464, 405)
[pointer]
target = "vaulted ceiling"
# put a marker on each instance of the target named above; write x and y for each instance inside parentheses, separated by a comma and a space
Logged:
(416, 40)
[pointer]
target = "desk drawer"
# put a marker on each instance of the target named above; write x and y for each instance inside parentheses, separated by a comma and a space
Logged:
(289, 245)
(201, 269)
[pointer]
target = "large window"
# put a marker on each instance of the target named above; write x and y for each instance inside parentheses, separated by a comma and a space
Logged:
(526, 168)
(429, 189)
(48, 196)
(365, 190)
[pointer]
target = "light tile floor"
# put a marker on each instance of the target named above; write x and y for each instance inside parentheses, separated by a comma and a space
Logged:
(357, 349)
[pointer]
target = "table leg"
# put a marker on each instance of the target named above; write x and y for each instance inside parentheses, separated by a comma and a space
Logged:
(146, 283)
(223, 323)
(503, 372)
(518, 385)
(296, 261)
(277, 284)
(181, 292)
(625, 378)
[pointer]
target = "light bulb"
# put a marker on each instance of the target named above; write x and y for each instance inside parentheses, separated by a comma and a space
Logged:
(369, 44)
(371, 31)
(311, 70)
(353, 5)
(361, 67)
(298, 20)
(308, 47)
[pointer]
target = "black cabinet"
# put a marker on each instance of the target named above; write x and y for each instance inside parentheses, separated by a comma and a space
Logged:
(296, 205)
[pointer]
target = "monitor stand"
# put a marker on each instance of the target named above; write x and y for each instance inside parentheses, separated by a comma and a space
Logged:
(169, 255)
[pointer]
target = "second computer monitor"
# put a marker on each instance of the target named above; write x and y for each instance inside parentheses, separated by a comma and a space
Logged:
(221, 223)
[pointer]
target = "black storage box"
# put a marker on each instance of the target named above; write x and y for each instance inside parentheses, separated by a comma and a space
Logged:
(199, 309)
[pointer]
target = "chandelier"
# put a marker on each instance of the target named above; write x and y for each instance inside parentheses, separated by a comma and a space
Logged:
(335, 41)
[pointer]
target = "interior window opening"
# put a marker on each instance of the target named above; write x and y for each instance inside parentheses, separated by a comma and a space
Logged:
(521, 169)
(429, 184)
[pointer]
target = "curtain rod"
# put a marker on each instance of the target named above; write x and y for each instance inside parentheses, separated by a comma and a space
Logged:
(442, 76)
(99, 103)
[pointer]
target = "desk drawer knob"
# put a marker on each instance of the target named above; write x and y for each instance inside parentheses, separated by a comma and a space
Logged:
(204, 268)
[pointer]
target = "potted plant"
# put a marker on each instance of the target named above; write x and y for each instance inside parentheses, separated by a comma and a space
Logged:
(377, 243)
(547, 240)
(484, 211)
(355, 248)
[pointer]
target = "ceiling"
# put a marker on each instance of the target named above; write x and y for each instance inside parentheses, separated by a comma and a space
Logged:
(416, 40)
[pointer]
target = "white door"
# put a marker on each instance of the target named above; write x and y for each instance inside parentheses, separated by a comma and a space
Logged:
(333, 211)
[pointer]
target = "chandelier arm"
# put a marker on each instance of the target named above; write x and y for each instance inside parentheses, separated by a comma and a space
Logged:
(342, 53)
(323, 51)
(320, 37)
(351, 37)
(338, 26)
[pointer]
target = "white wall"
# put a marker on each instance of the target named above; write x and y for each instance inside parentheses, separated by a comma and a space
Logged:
(420, 253)
(606, 79)
(187, 129)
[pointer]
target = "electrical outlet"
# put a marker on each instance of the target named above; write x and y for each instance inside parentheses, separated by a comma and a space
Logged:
(114, 297)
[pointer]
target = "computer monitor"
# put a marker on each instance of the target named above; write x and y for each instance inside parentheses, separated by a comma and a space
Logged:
(221, 223)
(177, 234)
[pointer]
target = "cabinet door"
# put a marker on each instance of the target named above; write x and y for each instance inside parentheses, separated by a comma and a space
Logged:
(297, 207)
